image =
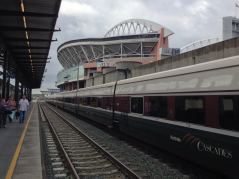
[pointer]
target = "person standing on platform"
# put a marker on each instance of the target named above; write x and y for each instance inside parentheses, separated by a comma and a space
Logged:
(2, 113)
(12, 106)
(23, 106)
(3, 106)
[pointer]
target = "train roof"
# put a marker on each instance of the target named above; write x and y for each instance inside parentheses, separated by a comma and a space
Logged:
(159, 78)
(216, 64)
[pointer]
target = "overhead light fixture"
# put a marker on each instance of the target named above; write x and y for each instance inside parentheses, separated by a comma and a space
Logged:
(25, 26)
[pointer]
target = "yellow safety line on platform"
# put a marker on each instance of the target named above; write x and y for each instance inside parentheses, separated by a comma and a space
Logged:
(18, 149)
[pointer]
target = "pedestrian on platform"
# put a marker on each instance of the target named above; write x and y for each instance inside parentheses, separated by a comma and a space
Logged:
(23, 106)
(3, 113)
(12, 106)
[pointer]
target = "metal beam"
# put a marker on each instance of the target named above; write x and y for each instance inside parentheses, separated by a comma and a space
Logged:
(25, 47)
(21, 91)
(61, 59)
(33, 58)
(35, 67)
(38, 68)
(29, 40)
(72, 57)
(16, 93)
(8, 79)
(19, 13)
(32, 53)
(68, 60)
(77, 54)
(17, 28)
(4, 75)
(7, 87)
(30, 94)
(85, 53)
(33, 62)
(93, 52)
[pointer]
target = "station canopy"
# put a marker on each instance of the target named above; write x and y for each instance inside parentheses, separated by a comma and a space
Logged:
(26, 30)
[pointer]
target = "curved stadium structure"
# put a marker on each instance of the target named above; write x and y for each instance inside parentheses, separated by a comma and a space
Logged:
(134, 41)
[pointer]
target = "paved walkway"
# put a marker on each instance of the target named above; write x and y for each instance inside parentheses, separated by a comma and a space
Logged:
(20, 155)
(9, 138)
(29, 161)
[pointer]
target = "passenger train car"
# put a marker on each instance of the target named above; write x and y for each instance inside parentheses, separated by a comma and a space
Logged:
(191, 111)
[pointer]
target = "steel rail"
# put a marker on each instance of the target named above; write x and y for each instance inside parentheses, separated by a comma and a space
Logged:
(60, 146)
(123, 168)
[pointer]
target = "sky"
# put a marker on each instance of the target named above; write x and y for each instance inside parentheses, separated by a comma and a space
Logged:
(190, 20)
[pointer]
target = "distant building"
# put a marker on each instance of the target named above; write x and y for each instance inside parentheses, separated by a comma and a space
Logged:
(126, 45)
(50, 91)
(230, 27)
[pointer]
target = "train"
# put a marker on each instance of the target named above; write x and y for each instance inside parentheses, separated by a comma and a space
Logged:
(191, 112)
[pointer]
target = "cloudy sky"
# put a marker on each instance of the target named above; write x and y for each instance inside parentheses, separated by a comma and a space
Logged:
(190, 20)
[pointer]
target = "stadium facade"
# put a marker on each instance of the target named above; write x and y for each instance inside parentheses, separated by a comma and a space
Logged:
(124, 46)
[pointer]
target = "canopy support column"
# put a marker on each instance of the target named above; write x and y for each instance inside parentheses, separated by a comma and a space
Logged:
(4, 75)
(8, 78)
(30, 94)
(21, 90)
(16, 91)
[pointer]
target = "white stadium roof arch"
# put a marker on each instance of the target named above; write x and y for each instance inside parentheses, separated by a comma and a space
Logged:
(136, 26)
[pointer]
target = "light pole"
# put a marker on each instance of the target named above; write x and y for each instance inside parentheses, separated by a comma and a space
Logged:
(77, 78)
(77, 84)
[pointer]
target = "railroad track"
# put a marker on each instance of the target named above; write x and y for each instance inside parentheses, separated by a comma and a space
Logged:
(54, 163)
(83, 157)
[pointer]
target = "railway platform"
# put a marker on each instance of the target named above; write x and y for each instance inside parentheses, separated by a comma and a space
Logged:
(20, 155)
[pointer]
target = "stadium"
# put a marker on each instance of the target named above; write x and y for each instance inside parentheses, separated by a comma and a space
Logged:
(126, 45)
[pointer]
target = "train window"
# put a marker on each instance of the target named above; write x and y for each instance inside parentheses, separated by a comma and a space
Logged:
(190, 109)
(74, 100)
(68, 100)
(193, 104)
(99, 102)
(229, 112)
(93, 102)
(106, 103)
(122, 104)
(137, 105)
(84, 101)
(228, 104)
(80, 100)
(158, 106)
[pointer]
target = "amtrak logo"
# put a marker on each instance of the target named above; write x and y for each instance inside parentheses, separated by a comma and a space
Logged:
(202, 146)
(190, 139)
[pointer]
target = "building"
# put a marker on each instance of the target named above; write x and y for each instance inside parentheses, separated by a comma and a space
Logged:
(230, 27)
(126, 45)
(50, 91)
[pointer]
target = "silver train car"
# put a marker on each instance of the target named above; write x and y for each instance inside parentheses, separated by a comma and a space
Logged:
(192, 112)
